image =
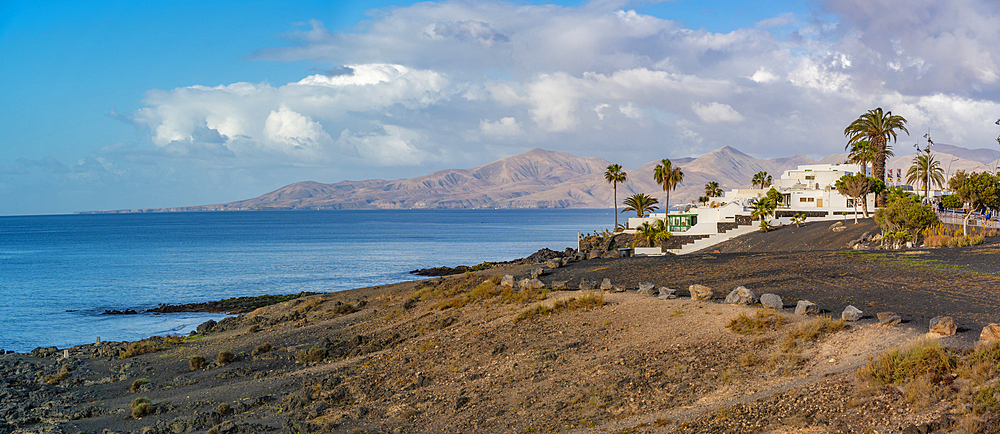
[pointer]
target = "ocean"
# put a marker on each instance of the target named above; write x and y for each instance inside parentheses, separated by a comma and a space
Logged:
(58, 274)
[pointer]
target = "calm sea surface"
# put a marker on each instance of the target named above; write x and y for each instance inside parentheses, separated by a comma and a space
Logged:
(59, 273)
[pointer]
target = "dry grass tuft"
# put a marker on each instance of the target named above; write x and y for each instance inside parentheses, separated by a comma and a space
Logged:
(314, 354)
(197, 362)
(151, 345)
(588, 301)
(261, 349)
(137, 385)
(763, 320)
(811, 331)
(59, 377)
(899, 365)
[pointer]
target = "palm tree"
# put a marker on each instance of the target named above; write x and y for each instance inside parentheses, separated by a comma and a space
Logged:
(926, 170)
(863, 153)
(668, 177)
(877, 128)
(762, 179)
(763, 208)
(614, 175)
(857, 186)
(712, 189)
(654, 232)
(640, 203)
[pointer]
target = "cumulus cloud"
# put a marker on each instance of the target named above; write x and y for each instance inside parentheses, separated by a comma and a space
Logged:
(418, 83)
(507, 126)
(716, 112)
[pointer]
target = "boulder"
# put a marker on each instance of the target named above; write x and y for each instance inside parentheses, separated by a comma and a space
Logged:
(606, 284)
(587, 285)
(741, 295)
(851, 314)
(772, 301)
(889, 318)
(205, 327)
(837, 227)
(530, 284)
(535, 272)
(560, 285)
(594, 254)
(646, 288)
(507, 281)
(667, 293)
(612, 254)
(566, 260)
(617, 288)
(700, 292)
(991, 333)
(806, 307)
(943, 325)
(554, 263)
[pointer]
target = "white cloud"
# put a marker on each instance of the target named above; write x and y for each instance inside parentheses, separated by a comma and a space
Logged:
(507, 126)
(417, 84)
(763, 76)
(716, 112)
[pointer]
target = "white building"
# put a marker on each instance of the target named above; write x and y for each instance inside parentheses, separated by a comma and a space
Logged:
(806, 190)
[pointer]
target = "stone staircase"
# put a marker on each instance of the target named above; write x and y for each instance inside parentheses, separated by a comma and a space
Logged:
(713, 239)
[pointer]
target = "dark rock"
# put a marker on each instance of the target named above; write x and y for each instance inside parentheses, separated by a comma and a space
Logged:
(206, 327)
(889, 318)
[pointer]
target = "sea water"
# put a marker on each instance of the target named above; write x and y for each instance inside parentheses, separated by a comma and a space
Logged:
(58, 274)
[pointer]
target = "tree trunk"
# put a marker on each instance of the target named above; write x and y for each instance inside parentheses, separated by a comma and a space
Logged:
(856, 210)
(864, 206)
(666, 201)
(615, 188)
(965, 222)
(878, 167)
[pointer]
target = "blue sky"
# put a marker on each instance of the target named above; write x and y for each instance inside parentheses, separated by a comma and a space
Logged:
(110, 105)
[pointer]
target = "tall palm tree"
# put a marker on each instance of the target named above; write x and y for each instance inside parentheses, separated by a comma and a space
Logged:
(640, 203)
(614, 175)
(926, 170)
(712, 189)
(668, 177)
(877, 127)
(762, 179)
(863, 153)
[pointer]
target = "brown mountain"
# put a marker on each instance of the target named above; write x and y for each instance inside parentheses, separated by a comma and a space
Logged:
(535, 179)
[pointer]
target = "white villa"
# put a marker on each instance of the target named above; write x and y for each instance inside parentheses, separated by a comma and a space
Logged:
(807, 190)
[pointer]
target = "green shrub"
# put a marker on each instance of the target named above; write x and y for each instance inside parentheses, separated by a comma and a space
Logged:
(899, 365)
(987, 399)
(197, 362)
(225, 357)
(223, 409)
(141, 407)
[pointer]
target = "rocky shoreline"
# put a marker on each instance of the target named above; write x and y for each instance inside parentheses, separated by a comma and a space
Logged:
(649, 346)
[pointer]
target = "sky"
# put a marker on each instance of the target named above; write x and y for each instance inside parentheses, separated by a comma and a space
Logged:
(123, 104)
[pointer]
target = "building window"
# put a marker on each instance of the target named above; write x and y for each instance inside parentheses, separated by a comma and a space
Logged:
(807, 199)
(810, 177)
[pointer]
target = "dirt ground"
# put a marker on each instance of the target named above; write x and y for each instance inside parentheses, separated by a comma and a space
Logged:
(459, 355)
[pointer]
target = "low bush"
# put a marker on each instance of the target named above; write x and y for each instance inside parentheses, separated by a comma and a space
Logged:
(762, 320)
(261, 349)
(811, 331)
(151, 345)
(314, 354)
(588, 301)
(223, 409)
(899, 365)
(137, 385)
(225, 357)
(141, 407)
(197, 362)
(59, 377)
(987, 399)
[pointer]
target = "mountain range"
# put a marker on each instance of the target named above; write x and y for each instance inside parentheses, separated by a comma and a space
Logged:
(547, 179)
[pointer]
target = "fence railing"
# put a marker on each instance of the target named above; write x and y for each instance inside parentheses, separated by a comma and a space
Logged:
(977, 219)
